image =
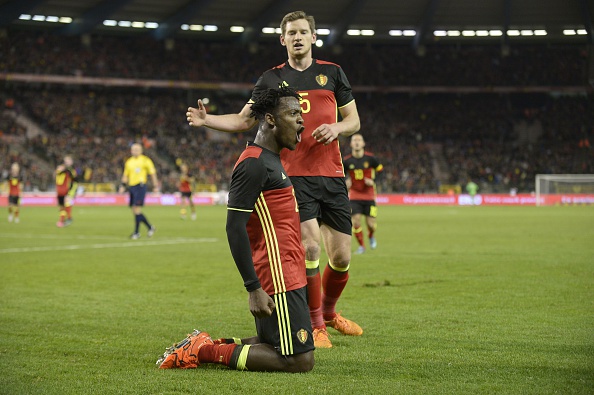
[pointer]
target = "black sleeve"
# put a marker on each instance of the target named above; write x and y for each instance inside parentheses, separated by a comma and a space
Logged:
(239, 244)
(246, 185)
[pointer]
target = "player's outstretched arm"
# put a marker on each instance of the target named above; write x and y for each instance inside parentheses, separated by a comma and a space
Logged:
(197, 116)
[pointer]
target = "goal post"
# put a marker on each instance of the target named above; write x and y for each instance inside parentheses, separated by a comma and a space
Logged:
(577, 188)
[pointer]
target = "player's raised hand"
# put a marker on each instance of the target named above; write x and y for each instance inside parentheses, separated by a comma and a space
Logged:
(196, 116)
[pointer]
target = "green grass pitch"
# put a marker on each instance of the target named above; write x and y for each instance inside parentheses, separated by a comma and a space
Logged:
(455, 300)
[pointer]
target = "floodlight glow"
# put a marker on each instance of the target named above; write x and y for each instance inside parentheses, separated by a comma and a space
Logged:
(453, 33)
(124, 23)
(495, 33)
(468, 33)
(323, 32)
(110, 22)
(582, 32)
(52, 19)
(367, 32)
(354, 32)
(409, 33)
(237, 29)
(25, 17)
(482, 33)
(151, 25)
(196, 28)
(440, 33)
(39, 18)
(513, 33)
(211, 28)
(527, 33)
(319, 43)
(65, 19)
(185, 26)
(268, 30)
(395, 33)
(138, 25)
(540, 32)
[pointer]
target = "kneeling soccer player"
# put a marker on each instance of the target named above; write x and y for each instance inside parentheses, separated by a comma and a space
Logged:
(263, 230)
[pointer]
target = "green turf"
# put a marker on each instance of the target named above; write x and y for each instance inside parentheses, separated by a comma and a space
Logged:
(471, 300)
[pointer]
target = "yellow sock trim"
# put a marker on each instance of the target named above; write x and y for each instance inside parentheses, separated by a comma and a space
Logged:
(242, 360)
(358, 230)
(236, 340)
(312, 264)
(339, 269)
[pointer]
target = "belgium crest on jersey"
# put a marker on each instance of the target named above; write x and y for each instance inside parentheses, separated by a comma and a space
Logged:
(321, 79)
(302, 335)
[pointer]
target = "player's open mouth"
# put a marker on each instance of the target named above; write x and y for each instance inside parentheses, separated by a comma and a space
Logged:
(299, 133)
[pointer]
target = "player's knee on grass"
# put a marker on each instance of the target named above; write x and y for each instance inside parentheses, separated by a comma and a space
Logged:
(300, 363)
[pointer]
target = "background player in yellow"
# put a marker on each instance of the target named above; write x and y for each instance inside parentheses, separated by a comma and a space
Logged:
(136, 171)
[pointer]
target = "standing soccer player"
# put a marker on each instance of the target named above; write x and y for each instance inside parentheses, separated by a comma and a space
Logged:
(362, 167)
(315, 167)
(136, 171)
(15, 181)
(66, 186)
(264, 237)
(186, 182)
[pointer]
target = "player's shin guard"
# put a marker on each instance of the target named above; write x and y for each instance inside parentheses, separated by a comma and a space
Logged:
(314, 293)
(333, 282)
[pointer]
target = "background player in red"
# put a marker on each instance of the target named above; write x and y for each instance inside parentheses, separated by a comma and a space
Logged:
(14, 192)
(66, 185)
(362, 167)
(315, 167)
(186, 182)
(264, 237)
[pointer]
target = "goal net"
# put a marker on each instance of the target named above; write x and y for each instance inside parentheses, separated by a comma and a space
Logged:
(564, 189)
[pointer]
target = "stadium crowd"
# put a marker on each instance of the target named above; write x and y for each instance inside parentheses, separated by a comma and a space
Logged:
(365, 64)
(498, 140)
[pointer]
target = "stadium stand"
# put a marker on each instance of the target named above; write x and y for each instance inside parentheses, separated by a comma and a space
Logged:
(424, 139)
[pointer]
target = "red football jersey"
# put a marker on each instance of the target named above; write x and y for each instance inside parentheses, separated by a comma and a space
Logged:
(323, 88)
(65, 181)
(185, 183)
(14, 184)
(358, 170)
(259, 184)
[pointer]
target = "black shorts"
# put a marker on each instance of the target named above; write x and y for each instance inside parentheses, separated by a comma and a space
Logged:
(137, 195)
(365, 207)
(61, 200)
(291, 333)
(326, 199)
(186, 194)
(13, 200)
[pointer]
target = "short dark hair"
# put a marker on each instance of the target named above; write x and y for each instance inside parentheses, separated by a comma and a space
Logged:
(295, 16)
(268, 101)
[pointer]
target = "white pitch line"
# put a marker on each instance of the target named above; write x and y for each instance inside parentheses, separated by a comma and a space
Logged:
(108, 245)
(21, 236)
